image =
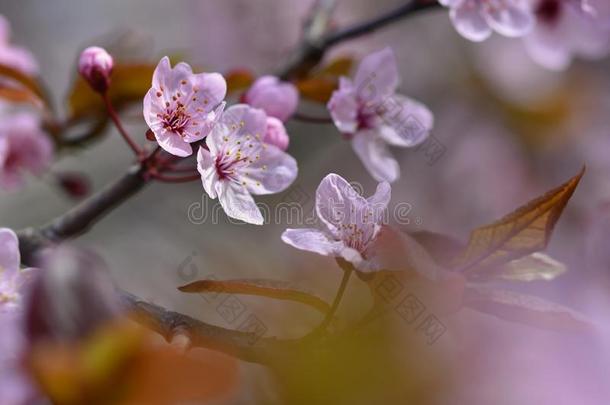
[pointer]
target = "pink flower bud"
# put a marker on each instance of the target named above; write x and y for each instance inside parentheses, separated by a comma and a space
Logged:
(276, 134)
(95, 66)
(278, 99)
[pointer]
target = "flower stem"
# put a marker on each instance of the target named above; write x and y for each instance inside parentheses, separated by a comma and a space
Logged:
(180, 179)
(348, 269)
(117, 122)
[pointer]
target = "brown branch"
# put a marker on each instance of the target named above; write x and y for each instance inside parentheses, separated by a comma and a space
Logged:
(78, 220)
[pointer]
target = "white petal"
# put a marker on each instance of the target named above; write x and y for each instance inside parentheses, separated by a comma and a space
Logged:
(375, 155)
(469, 22)
(207, 168)
(511, 20)
(407, 121)
(311, 240)
(274, 172)
(238, 203)
(9, 253)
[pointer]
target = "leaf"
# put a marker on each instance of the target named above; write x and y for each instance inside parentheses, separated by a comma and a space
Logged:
(533, 311)
(239, 79)
(537, 266)
(20, 95)
(321, 84)
(130, 82)
(524, 231)
(26, 81)
(339, 67)
(261, 287)
(317, 89)
(443, 248)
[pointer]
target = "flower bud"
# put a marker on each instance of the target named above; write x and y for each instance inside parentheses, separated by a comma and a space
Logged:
(276, 134)
(95, 66)
(278, 99)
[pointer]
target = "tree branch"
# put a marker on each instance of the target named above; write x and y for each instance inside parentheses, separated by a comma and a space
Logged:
(78, 220)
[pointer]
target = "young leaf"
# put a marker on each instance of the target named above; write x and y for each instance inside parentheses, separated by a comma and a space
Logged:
(537, 266)
(238, 79)
(261, 287)
(24, 80)
(530, 310)
(130, 82)
(321, 84)
(526, 230)
(20, 95)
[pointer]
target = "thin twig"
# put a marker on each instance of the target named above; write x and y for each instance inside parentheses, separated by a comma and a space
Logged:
(348, 269)
(114, 116)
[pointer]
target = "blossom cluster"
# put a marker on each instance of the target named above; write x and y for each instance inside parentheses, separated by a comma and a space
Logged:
(553, 31)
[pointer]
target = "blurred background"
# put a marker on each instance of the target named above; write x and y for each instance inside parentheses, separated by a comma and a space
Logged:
(510, 130)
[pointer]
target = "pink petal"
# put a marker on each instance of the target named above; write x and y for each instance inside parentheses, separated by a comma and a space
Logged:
(343, 107)
(207, 168)
(312, 240)
(375, 155)
(211, 87)
(380, 200)
(510, 20)
(407, 122)
(469, 22)
(246, 120)
(337, 202)
(174, 144)
(10, 257)
(238, 203)
(377, 76)
(276, 134)
(278, 99)
(274, 172)
(546, 49)
(167, 79)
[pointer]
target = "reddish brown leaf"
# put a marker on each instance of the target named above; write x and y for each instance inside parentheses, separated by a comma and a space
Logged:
(533, 311)
(261, 287)
(24, 80)
(239, 79)
(130, 82)
(526, 230)
(317, 89)
(20, 95)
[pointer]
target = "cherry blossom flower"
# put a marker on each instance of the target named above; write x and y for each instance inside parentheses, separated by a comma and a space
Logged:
(276, 134)
(14, 56)
(352, 222)
(477, 19)
(14, 386)
(239, 164)
(95, 65)
(182, 107)
(278, 99)
(565, 29)
(370, 113)
(23, 147)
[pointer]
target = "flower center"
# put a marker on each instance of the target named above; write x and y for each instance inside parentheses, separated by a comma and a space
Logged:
(353, 237)
(176, 120)
(549, 11)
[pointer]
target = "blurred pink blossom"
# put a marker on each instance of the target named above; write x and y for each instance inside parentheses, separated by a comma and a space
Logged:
(352, 222)
(182, 107)
(477, 19)
(276, 134)
(566, 29)
(239, 164)
(14, 386)
(278, 99)
(14, 56)
(23, 147)
(372, 115)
